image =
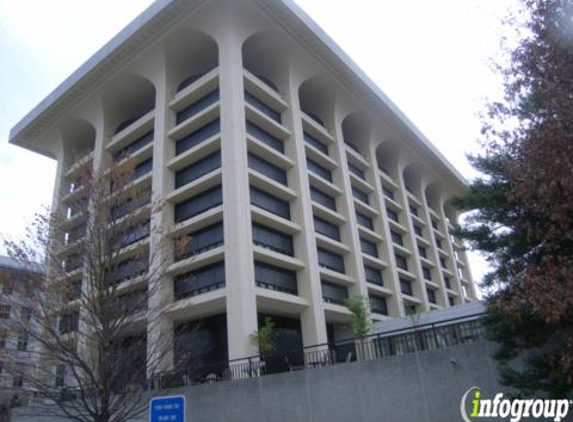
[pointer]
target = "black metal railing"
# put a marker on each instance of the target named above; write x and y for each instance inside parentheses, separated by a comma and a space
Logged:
(417, 338)
(453, 332)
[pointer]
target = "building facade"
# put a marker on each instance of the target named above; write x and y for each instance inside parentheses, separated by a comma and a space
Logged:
(18, 351)
(297, 180)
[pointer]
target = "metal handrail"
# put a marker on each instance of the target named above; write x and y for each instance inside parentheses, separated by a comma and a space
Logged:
(400, 341)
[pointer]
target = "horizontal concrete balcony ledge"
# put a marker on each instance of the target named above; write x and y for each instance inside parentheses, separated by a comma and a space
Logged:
(443, 253)
(265, 122)
(336, 313)
(80, 217)
(432, 283)
(373, 261)
(202, 86)
(418, 220)
(439, 234)
(331, 244)
(331, 275)
(195, 307)
(447, 271)
(426, 261)
(335, 307)
(365, 208)
(195, 122)
(86, 159)
(197, 222)
(133, 283)
(323, 185)
(422, 241)
(269, 154)
(411, 299)
(434, 214)
(315, 129)
(375, 288)
(356, 158)
(452, 292)
(387, 179)
(196, 153)
(269, 185)
(413, 198)
(139, 156)
(196, 261)
(360, 183)
(381, 317)
(461, 263)
(199, 185)
(273, 301)
(397, 226)
(69, 248)
(130, 250)
(327, 214)
(137, 212)
(370, 234)
(256, 86)
(320, 157)
(286, 262)
(75, 194)
(259, 215)
(136, 129)
(406, 274)
(146, 178)
(393, 204)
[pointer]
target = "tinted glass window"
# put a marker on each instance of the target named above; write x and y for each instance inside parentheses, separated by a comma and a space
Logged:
(373, 275)
(264, 167)
(328, 229)
(200, 135)
(198, 169)
(199, 281)
(330, 260)
(265, 137)
(201, 241)
(319, 170)
(311, 140)
(272, 239)
(197, 106)
(274, 278)
(198, 204)
(333, 293)
(270, 203)
(322, 198)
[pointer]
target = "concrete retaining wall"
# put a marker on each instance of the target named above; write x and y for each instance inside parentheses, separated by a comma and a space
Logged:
(423, 387)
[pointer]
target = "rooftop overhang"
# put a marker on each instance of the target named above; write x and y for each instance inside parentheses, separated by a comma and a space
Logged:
(163, 14)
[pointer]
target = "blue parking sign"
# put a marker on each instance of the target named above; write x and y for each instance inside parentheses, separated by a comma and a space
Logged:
(167, 409)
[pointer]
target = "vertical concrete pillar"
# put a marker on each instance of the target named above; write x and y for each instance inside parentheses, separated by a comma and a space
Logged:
(395, 304)
(239, 267)
(353, 261)
(160, 326)
(312, 320)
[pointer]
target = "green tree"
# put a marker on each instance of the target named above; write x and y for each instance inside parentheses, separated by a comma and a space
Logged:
(360, 315)
(522, 207)
(264, 337)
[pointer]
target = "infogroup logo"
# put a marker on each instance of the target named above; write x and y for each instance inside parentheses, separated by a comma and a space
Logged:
(514, 409)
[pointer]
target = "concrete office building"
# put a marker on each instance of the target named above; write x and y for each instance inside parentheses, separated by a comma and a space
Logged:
(298, 180)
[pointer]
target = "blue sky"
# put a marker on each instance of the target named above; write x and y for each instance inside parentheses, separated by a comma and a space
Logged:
(430, 58)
